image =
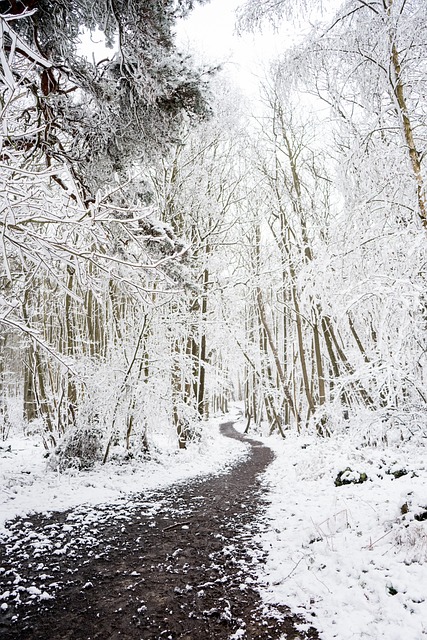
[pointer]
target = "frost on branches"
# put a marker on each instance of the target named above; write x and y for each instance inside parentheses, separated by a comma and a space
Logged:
(159, 262)
(85, 258)
(336, 324)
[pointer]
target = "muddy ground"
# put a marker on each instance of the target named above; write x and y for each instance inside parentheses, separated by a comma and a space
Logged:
(178, 563)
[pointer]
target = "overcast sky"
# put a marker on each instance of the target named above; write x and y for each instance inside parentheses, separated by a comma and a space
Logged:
(209, 32)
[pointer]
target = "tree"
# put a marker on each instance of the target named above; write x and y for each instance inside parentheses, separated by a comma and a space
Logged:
(364, 65)
(197, 192)
(368, 64)
(80, 237)
(103, 118)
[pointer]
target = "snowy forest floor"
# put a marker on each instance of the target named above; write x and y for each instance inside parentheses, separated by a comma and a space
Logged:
(178, 563)
(182, 546)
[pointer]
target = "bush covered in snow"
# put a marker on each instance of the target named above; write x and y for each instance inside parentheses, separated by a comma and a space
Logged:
(80, 448)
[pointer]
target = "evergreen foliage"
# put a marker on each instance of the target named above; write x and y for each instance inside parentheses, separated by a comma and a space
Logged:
(104, 117)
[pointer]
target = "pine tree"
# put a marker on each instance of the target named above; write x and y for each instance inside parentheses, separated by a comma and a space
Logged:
(103, 118)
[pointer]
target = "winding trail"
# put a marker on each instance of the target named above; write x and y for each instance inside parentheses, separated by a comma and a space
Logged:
(174, 564)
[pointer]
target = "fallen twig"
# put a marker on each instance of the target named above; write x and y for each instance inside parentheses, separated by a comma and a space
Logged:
(177, 524)
(371, 544)
(290, 573)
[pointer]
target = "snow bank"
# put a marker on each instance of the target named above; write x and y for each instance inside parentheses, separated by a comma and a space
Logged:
(352, 559)
(28, 485)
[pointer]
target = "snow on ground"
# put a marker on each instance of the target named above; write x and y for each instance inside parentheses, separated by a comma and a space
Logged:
(352, 559)
(27, 484)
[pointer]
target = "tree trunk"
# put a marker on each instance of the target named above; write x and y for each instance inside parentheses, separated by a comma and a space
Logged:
(407, 128)
(275, 353)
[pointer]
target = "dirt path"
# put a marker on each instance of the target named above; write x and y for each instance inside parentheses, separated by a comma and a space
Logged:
(174, 564)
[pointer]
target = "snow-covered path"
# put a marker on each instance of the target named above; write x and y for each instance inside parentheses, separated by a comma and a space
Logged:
(350, 559)
(172, 564)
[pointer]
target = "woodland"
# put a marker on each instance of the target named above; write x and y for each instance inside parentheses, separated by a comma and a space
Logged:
(164, 251)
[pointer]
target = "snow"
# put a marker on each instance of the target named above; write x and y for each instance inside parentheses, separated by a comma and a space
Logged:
(28, 485)
(351, 559)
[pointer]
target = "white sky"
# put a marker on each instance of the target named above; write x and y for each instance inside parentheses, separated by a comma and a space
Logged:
(209, 33)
